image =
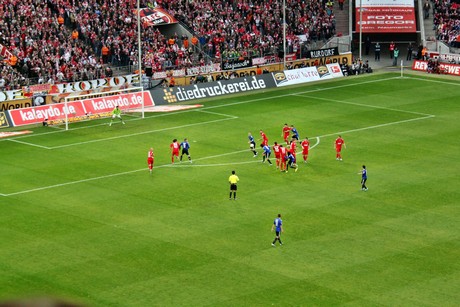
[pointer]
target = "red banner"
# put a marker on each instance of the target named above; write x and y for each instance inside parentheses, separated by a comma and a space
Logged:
(386, 16)
(444, 68)
(79, 110)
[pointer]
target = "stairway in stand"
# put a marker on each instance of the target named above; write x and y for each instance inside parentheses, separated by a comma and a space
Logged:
(341, 17)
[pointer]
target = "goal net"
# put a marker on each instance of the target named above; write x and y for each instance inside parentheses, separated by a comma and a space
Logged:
(131, 101)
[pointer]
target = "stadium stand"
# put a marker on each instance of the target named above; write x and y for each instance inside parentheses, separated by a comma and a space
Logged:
(64, 40)
(446, 21)
(239, 28)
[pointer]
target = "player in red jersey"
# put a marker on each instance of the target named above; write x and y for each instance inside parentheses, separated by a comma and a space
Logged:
(293, 147)
(283, 153)
(264, 138)
(305, 147)
(339, 142)
(286, 132)
(150, 157)
(276, 150)
(174, 146)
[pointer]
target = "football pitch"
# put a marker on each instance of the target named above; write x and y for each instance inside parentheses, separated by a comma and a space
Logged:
(84, 220)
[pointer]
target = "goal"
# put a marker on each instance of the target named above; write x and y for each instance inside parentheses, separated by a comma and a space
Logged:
(83, 107)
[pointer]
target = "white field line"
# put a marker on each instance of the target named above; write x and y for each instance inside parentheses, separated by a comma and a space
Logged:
(29, 144)
(365, 105)
(185, 164)
(377, 126)
(127, 135)
(433, 81)
(141, 133)
(215, 113)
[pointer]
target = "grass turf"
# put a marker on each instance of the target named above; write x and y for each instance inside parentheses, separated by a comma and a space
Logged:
(83, 220)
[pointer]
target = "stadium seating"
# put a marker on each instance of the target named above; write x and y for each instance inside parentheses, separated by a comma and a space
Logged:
(64, 40)
(446, 20)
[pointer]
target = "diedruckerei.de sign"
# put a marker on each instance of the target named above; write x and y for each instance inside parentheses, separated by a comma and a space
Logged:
(212, 89)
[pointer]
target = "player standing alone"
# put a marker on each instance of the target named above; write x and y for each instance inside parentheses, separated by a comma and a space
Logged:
(116, 113)
(278, 227)
(174, 146)
(150, 157)
(233, 180)
(185, 147)
(363, 174)
(339, 142)
(305, 147)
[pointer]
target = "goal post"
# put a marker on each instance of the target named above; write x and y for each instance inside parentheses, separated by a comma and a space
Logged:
(83, 107)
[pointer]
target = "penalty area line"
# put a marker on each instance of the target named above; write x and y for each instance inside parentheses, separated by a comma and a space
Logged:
(142, 133)
(28, 144)
(378, 126)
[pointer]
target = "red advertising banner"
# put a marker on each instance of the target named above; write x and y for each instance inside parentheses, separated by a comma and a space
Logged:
(444, 68)
(386, 16)
(79, 110)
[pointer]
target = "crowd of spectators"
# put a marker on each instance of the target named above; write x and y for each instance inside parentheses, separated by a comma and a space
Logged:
(235, 28)
(446, 19)
(67, 40)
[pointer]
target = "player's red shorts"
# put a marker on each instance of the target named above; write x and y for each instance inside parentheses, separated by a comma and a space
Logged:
(175, 153)
(338, 148)
(150, 161)
(305, 152)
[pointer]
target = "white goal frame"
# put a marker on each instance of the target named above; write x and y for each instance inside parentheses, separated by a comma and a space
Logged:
(78, 97)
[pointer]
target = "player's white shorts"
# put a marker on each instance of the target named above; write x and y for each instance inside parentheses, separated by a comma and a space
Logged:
(116, 115)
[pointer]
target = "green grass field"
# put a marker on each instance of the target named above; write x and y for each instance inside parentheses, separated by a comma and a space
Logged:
(82, 219)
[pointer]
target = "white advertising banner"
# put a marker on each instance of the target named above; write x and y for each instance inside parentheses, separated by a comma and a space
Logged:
(307, 74)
